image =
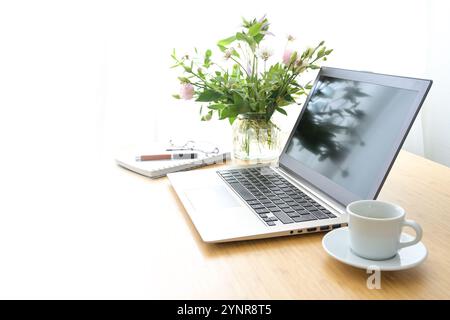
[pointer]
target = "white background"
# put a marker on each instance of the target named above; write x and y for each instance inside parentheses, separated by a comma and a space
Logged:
(89, 76)
(80, 79)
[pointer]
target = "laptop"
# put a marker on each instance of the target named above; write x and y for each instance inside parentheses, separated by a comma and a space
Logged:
(341, 149)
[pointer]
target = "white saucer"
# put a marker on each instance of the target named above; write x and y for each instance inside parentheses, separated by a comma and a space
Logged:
(336, 244)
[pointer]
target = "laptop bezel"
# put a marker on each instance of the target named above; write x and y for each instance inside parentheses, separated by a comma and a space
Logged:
(332, 189)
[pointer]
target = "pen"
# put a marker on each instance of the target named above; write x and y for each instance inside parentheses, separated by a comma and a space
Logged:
(167, 156)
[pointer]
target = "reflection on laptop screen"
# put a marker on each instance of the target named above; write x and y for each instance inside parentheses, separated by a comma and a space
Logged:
(348, 130)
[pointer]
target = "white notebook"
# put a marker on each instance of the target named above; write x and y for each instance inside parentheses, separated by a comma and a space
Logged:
(160, 168)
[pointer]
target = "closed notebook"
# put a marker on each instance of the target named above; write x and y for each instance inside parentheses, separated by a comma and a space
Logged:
(160, 168)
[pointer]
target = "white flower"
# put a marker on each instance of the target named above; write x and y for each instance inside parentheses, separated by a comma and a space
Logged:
(228, 53)
(265, 53)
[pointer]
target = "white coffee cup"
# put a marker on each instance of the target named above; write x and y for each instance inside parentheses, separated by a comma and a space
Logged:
(375, 228)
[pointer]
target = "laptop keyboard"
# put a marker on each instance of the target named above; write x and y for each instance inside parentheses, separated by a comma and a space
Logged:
(272, 197)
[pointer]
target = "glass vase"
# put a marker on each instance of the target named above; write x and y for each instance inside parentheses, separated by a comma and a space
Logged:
(255, 138)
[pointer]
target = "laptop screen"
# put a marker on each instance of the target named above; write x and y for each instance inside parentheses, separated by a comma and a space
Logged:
(350, 131)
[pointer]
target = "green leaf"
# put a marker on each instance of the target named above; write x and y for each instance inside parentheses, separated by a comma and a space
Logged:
(281, 110)
(243, 37)
(216, 106)
(240, 36)
(258, 38)
(231, 119)
(237, 98)
(236, 71)
(254, 29)
(222, 48)
(226, 42)
(176, 96)
(289, 98)
(207, 60)
(208, 96)
(207, 116)
(228, 111)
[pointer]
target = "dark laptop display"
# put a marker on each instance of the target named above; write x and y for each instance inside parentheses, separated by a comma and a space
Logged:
(348, 129)
(351, 129)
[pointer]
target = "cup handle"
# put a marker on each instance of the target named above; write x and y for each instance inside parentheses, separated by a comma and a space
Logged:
(414, 225)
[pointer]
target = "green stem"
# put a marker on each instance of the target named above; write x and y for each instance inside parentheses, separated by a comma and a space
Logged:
(240, 65)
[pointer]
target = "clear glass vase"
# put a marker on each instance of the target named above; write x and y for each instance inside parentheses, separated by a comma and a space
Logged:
(254, 138)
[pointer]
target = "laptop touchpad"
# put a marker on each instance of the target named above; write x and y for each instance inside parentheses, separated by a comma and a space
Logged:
(211, 197)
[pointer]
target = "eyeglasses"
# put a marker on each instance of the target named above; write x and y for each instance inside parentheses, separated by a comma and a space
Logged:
(191, 145)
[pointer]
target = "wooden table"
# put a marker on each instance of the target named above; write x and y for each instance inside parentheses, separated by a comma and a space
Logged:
(105, 232)
(297, 267)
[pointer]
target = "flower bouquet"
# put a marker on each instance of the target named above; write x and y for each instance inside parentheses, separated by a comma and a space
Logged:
(245, 89)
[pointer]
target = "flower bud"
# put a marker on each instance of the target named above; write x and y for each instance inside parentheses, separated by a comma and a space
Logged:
(187, 91)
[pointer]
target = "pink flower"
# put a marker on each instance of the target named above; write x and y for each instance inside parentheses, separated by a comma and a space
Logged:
(187, 91)
(287, 56)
